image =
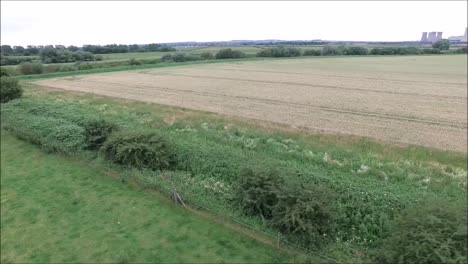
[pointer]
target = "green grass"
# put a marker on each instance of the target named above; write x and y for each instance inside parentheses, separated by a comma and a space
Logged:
(56, 209)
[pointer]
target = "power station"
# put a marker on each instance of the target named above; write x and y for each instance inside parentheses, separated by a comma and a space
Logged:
(430, 37)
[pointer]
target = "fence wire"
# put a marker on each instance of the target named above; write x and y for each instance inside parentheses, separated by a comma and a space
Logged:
(186, 200)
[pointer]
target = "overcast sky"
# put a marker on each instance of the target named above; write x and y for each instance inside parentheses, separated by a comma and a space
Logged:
(80, 22)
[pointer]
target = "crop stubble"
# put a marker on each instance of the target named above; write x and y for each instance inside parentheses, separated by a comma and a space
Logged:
(394, 99)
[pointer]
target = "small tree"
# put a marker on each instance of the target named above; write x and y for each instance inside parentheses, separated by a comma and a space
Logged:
(442, 44)
(9, 89)
(257, 191)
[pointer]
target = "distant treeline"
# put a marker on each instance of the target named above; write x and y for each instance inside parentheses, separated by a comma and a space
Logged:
(30, 50)
(54, 55)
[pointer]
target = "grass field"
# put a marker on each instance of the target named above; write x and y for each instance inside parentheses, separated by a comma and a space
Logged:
(56, 209)
(406, 100)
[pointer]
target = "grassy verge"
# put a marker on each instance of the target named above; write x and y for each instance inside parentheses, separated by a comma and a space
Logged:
(56, 209)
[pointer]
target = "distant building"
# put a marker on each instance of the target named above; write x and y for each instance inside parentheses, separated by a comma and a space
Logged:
(460, 38)
(424, 37)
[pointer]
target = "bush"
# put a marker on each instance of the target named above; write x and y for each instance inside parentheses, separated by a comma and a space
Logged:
(31, 68)
(229, 54)
(206, 55)
(332, 51)
(355, 51)
(312, 52)
(66, 139)
(52, 134)
(4, 72)
(279, 51)
(180, 57)
(257, 191)
(305, 214)
(9, 89)
(135, 62)
(430, 232)
(443, 44)
(139, 150)
(97, 132)
(431, 51)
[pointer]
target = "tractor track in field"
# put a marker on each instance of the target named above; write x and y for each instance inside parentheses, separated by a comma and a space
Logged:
(312, 85)
(279, 102)
(342, 76)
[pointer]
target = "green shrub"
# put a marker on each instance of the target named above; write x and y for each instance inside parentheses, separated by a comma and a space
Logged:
(305, 214)
(443, 44)
(50, 133)
(27, 68)
(355, 51)
(66, 139)
(312, 52)
(4, 72)
(206, 55)
(257, 191)
(332, 51)
(429, 232)
(9, 89)
(97, 132)
(279, 51)
(229, 54)
(139, 150)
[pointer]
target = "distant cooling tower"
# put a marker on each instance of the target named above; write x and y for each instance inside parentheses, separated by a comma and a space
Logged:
(439, 36)
(424, 37)
(432, 37)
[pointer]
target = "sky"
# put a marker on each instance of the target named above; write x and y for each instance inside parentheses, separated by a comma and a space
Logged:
(107, 22)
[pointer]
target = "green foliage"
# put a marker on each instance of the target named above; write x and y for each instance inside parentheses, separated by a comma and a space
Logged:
(312, 52)
(31, 68)
(431, 51)
(430, 232)
(229, 54)
(4, 72)
(139, 150)
(66, 139)
(307, 214)
(180, 57)
(257, 191)
(97, 132)
(332, 51)
(280, 51)
(9, 89)
(50, 133)
(206, 55)
(61, 55)
(14, 60)
(443, 44)
(353, 50)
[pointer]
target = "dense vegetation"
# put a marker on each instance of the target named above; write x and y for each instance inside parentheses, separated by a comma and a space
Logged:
(9, 88)
(326, 198)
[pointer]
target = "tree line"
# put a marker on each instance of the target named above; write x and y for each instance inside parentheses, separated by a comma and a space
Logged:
(31, 50)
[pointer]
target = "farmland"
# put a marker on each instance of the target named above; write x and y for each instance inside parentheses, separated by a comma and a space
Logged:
(377, 137)
(403, 100)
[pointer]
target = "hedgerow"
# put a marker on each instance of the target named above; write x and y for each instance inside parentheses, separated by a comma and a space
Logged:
(139, 150)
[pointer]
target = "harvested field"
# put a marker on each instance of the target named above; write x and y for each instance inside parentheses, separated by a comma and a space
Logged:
(418, 100)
